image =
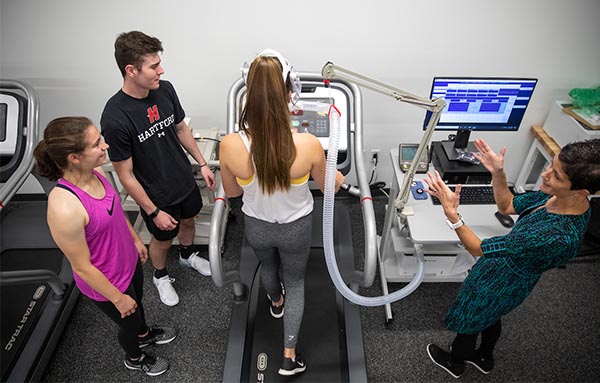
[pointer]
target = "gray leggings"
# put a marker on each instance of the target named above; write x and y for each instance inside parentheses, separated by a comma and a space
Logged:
(289, 245)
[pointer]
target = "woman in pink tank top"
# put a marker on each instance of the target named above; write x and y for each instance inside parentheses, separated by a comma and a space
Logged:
(88, 224)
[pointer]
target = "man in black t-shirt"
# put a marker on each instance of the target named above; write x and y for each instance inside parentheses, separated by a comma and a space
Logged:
(144, 125)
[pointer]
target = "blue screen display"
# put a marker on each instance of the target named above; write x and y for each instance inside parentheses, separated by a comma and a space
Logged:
(485, 103)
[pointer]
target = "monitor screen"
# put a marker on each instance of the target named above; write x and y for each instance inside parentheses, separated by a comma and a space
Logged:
(408, 152)
(484, 103)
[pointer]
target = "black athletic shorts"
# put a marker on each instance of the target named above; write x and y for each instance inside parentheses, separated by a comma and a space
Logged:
(188, 208)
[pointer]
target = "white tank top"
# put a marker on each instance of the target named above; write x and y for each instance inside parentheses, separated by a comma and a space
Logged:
(279, 207)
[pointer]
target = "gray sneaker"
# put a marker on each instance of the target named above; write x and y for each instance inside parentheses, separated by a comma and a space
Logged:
(158, 335)
(150, 365)
(197, 263)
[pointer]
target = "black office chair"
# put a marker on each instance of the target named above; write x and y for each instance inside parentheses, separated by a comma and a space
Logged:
(590, 249)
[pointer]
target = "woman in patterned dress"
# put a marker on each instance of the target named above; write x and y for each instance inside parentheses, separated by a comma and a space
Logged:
(548, 232)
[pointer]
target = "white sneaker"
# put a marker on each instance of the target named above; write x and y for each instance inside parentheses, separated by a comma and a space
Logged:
(166, 291)
(197, 263)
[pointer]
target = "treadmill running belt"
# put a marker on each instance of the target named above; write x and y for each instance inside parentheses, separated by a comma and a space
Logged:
(321, 338)
(330, 338)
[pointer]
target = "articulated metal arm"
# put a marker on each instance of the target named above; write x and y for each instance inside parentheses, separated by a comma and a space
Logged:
(332, 71)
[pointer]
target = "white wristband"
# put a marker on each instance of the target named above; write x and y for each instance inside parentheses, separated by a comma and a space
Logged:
(456, 225)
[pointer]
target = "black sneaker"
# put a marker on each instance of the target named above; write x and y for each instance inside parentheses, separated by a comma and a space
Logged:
(150, 365)
(442, 358)
(482, 364)
(158, 335)
(277, 312)
(291, 367)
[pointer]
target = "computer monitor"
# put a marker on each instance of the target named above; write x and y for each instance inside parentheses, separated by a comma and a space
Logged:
(480, 104)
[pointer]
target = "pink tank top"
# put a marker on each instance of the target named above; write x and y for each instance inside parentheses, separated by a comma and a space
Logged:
(112, 250)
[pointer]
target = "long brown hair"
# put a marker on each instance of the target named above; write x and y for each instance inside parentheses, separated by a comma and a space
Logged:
(266, 119)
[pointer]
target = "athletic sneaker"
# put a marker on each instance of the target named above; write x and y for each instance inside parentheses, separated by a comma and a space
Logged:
(442, 358)
(482, 364)
(150, 365)
(292, 366)
(158, 335)
(277, 312)
(167, 293)
(197, 263)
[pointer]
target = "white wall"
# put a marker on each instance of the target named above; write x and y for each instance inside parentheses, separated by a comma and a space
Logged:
(64, 49)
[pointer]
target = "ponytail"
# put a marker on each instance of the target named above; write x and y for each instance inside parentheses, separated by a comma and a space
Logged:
(45, 166)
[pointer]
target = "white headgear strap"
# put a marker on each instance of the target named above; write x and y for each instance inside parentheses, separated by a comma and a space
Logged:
(287, 70)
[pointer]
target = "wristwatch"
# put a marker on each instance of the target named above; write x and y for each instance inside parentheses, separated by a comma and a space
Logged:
(154, 213)
(456, 225)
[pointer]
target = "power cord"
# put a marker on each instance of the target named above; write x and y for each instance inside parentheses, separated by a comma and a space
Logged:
(376, 185)
(379, 186)
(207, 139)
(374, 170)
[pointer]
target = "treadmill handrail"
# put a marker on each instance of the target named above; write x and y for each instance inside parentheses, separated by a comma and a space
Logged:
(363, 278)
(20, 277)
(12, 185)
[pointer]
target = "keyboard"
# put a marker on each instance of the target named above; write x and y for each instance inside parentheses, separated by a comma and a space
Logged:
(474, 195)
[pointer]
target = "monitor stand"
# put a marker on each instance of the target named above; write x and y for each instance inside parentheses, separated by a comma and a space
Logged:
(461, 141)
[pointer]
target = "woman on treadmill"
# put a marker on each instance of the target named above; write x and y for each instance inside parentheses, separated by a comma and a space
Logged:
(88, 224)
(549, 231)
(269, 165)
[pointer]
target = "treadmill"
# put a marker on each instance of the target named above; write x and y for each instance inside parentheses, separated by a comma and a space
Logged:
(37, 291)
(330, 338)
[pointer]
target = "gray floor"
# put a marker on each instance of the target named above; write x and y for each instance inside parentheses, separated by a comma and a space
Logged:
(553, 337)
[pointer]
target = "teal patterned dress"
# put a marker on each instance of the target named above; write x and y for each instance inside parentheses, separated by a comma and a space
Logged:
(513, 263)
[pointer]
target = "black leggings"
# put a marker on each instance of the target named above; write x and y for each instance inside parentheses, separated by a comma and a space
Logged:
(464, 345)
(132, 325)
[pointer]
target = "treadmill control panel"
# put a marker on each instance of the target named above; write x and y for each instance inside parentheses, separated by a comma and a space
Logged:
(312, 122)
(318, 123)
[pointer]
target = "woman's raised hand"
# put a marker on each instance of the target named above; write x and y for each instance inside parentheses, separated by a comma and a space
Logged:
(489, 159)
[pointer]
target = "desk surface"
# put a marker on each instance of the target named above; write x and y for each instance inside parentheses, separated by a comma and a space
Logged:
(428, 226)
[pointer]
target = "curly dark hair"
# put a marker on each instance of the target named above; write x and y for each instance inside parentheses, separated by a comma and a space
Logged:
(581, 161)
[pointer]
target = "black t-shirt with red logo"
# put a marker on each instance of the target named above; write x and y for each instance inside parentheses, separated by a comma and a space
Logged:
(144, 129)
